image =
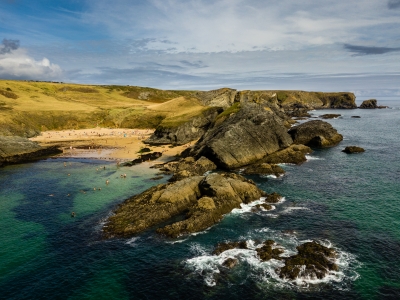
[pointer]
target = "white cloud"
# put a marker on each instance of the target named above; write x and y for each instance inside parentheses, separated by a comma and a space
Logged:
(242, 25)
(19, 65)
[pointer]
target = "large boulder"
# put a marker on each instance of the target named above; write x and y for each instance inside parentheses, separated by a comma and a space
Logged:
(204, 200)
(186, 132)
(353, 149)
(371, 103)
(15, 149)
(245, 137)
(317, 133)
(294, 154)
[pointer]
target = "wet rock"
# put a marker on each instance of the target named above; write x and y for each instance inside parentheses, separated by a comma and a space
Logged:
(330, 116)
(295, 154)
(313, 261)
(143, 158)
(15, 149)
(264, 169)
(202, 199)
(353, 149)
(369, 104)
(356, 117)
(316, 133)
(221, 247)
(264, 206)
(266, 252)
(243, 138)
(230, 263)
(273, 198)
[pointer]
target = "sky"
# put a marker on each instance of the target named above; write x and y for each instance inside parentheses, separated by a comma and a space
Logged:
(311, 45)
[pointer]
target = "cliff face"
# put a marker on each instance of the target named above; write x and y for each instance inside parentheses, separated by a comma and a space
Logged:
(14, 149)
(243, 137)
(286, 100)
(185, 133)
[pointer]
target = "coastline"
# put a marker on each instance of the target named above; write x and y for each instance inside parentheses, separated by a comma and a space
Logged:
(120, 144)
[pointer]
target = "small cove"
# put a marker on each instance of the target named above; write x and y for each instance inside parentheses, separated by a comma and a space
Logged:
(349, 201)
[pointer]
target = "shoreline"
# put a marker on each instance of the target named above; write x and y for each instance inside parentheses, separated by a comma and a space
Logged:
(120, 144)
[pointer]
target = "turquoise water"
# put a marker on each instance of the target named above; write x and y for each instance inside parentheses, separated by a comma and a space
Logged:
(349, 202)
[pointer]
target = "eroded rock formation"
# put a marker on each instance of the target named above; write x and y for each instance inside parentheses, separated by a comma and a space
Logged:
(317, 133)
(203, 199)
(14, 149)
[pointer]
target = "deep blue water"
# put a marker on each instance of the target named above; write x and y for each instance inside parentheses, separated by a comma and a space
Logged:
(349, 202)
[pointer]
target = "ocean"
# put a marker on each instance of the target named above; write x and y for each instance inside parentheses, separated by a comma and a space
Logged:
(348, 202)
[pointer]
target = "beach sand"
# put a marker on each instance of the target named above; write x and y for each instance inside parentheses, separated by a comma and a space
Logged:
(120, 144)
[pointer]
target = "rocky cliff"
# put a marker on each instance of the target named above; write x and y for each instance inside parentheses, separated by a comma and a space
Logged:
(184, 133)
(15, 149)
(244, 137)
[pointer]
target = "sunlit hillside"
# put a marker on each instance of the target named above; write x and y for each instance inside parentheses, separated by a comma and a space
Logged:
(28, 107)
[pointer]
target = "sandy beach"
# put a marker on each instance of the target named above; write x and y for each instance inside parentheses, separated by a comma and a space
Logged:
(104, 143)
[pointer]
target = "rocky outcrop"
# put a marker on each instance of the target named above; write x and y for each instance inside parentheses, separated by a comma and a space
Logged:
(267, 252)
(15, 150)
(222, 247)
(330, 116)
(186, 132)
(289, 100)
(369, 104)
(142, 158)
(317, 133)
(243, 138)
(204, 200)
(219, 98)
(294, 154)
(264, 169)
(313, 261)
(353, 149)
(187, 167)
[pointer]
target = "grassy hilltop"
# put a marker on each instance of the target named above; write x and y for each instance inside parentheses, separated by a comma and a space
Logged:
(27, 108)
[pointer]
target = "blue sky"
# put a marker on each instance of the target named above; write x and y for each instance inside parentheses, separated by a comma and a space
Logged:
(351, 45)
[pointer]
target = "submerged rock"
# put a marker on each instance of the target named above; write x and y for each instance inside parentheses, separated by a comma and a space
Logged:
(312, 261)
(203, 199)
(315, 133)
(230, 263)
(266, 252)
(353, 149)
(221, 247)
(371, 103)
(15, 149)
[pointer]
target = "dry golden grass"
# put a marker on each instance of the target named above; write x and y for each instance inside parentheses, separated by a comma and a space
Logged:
(55, 106)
